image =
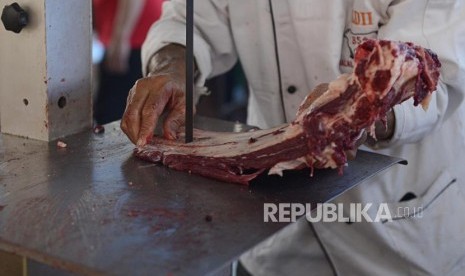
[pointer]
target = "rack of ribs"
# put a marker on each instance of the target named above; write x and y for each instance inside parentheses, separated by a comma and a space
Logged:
(327, 124)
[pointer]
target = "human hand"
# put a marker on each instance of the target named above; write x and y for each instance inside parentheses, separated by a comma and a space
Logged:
(162, 91)
(384, 129)
(351, 154)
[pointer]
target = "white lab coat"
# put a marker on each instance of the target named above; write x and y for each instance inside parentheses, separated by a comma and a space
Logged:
(302, 43)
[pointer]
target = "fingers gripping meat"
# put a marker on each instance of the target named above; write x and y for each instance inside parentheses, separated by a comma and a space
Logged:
(328, 122)
(385, 74)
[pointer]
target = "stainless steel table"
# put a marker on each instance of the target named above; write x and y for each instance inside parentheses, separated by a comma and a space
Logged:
(93, 208)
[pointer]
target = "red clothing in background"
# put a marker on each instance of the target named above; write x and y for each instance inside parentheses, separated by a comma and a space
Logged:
(104, 16)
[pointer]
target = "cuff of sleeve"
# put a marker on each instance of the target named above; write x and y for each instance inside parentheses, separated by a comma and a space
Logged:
(175, 33)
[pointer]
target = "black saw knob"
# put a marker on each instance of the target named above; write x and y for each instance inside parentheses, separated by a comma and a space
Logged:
(14, 18)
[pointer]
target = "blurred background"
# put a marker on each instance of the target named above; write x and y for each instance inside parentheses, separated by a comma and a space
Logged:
(120, 27)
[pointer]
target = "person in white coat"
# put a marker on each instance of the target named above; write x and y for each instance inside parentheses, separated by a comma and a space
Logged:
(288, 47)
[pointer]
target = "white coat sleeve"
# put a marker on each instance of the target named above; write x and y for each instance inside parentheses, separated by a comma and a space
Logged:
(214, 49)
(438, 25)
